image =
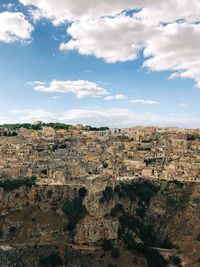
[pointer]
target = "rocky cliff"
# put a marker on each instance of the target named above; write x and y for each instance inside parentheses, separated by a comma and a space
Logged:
(135, 223)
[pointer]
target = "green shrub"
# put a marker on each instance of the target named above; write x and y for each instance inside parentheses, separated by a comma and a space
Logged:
(196, 200)
(102, 200)
(107, 245)
(127, 221)
(116, 209)
(198, 237)
(144, 191)
(115, 253)
(16, 126)
(145, 194)
(150, 161)
(29, 126)
(128, 240)
(36, 127)
(53, 260)
(75, 210)
(10, 185)
(57, 125)
(12, 229)
(147, 235)
(82, 192)
(140, 212)
(155, 259)
(145, 231)
(108, 193)
(175, 260)
(90, 128)
(127, 190)
(166, 243)
(171, 202)
(192, 137)
(1, 233)
(178, 202)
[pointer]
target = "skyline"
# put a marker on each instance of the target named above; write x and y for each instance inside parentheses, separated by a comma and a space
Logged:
(115, 63)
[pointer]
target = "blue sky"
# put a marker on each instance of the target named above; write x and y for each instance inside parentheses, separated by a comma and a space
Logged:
(92, 81)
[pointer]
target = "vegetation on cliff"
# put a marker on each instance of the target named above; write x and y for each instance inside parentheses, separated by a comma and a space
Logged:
(75, 210)
(52, 260)
(54, 125)
(143, 191)
(11, 184)
(135, 229)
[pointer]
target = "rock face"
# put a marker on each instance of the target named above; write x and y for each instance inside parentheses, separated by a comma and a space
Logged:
(92, 230)
(132, 218)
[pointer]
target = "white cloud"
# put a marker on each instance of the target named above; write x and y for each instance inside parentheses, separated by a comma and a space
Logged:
(145, 102)
(38, 114)
(36, 83)
(167, 31)
(118, 117)
(112, 117)
(151, 11)
(175, 47)
(113, 39)
(66, 10)
(29, 115)
(170, 11)
(80, 88)
(4, 119)
(14, 27)
(116, 97)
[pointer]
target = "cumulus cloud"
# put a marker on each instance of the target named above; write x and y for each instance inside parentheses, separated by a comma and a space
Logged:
(66, 10)
(120, 117)
(145, 102)
(151, 11)
(38, 114)
(112, 117)
(115, 97)
(4, 119)
(170, 11)
(14, 27)
(113, 39)
(175, 47)
(80, 88)
(167, 31)
(172, 47)
(29, 115)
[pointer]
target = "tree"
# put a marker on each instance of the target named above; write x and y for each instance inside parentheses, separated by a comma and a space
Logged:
(82, 192)
(107, 245)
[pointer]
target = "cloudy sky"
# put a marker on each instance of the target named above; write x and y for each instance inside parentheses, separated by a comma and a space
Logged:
(117, 63)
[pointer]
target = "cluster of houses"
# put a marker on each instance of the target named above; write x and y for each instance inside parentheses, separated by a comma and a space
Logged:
(77, 154)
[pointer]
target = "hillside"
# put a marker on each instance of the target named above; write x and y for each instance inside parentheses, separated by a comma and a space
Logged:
(80, 198)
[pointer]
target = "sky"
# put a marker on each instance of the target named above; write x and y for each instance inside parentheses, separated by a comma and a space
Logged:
(116, 63)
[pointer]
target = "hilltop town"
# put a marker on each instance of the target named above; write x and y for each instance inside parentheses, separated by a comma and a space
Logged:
(76, 153)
